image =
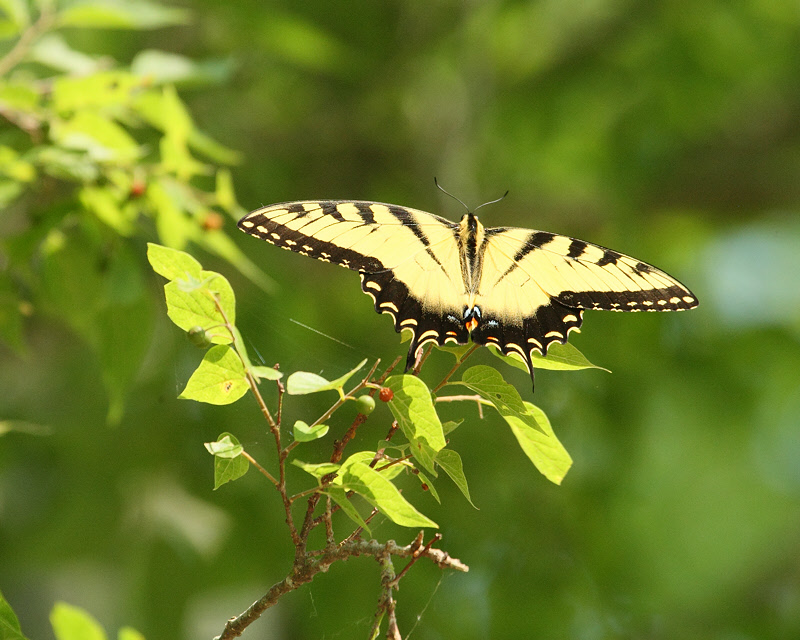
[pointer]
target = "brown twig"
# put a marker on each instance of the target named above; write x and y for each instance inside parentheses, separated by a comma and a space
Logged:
(458, 363)
(28, 37)
(263, 471)
(308, 566)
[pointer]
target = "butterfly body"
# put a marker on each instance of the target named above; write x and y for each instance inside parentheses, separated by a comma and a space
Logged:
(517, 289)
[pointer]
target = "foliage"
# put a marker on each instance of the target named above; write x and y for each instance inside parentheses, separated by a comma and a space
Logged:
(68, 622)
(203, 301)
(95, 154)
(664, 130)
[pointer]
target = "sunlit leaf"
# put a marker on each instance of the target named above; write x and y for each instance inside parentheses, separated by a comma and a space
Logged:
(171, 263)
(450, 461)
(303, 382)
(540, 444)
(560, 357)
(129, 633)
(305, 433)
(266, 373)
(52, 50)
(340, 497)
(101, 138)
(414, 411)
(221, 244)
(318, 470)
(17, 12)
(225, 446)
(121, 14)
(220, 378)
(366, 457)
(74, 623)
(103, 203)
(165, 67)
(488, 383)
(381, 493)
(229, 463)
(9, 624)
(193, 303)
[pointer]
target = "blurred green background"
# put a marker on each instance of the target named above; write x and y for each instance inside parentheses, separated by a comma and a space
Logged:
(666, 130)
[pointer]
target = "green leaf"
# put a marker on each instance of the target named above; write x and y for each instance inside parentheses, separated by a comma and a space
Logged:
(381, 493)
(52, 50)
(302, 382)
(19, 96)
(413, 409)
(220, 378)
(450, 461)
(172, 224)
(211, 149)
(172, 264)
(540, 443)
(225, 446)
(163, 67)
(101, 138)
(221, 244)
(193, 303)
(366, 458)
(305, 433)
(456, 350)
(339, 496)
(96, 91)
(560, 357)
(72, 166)
(103, 203)
(9, 624)
(129, 633)
(74, 623)
(229, 463)
(121, 14)
(226, 198)
(488, 383)
(427, 485)
(317, 470)
(266, 373)
(451, 425)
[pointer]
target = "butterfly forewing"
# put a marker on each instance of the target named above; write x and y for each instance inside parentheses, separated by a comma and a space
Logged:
(408, 259)
(587, 276)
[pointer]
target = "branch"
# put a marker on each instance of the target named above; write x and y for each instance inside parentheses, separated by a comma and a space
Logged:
(28, 37)
(308, 566)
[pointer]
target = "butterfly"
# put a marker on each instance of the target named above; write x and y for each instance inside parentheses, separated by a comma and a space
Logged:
(519, 290)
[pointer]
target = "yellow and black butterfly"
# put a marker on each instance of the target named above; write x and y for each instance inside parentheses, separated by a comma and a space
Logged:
(517, 289)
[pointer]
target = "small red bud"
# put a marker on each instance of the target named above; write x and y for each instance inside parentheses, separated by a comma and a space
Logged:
(138, 188)
(213, 221)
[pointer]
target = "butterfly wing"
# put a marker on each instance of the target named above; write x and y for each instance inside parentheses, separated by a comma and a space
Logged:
(535, 286)
(408, 259)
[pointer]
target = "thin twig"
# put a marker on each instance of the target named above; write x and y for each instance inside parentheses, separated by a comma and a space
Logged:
(317, 562)
(458, 363)
(252, 461)
(28, 37)
(416, 556)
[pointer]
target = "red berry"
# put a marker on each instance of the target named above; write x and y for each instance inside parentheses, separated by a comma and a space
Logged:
(385, 394)
(213, 221)
(137, 188)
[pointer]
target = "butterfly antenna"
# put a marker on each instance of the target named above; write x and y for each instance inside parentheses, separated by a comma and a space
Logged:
(491, 202)
(444, 191)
